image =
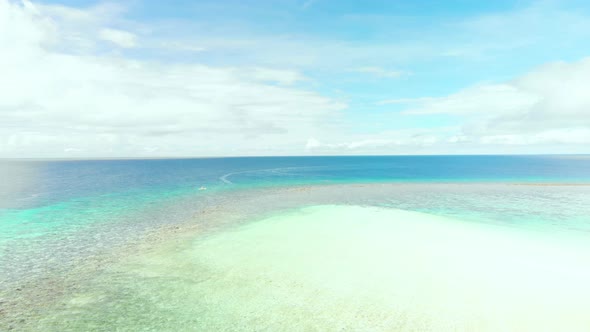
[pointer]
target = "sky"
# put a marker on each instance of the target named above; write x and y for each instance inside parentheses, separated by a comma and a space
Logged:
(139, 78)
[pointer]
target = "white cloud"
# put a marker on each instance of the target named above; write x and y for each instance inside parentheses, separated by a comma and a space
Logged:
(79, 30)
(544, 111)
(554, 96)
(551, 136)
(57, 104)
(70, 90)
(280, 76)
(408, 141)
(187, 46)
(480, 99)
(118, 37)
(312, 143)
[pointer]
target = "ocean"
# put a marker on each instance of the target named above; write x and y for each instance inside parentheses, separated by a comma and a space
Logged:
(154, 244)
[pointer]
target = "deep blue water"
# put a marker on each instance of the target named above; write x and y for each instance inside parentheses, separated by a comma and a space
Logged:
(29, 184)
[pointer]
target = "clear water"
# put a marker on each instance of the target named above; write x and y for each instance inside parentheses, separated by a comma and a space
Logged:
(67, 228)
(35, 183)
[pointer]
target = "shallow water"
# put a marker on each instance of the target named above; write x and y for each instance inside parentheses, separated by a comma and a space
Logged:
(75, 235)
(333, 268)
(129, 285)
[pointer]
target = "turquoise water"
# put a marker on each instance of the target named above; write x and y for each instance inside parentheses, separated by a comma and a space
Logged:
(40, 196)
(339, 267)
(65, 223)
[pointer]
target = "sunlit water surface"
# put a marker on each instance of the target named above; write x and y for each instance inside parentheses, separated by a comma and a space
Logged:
(493, 243)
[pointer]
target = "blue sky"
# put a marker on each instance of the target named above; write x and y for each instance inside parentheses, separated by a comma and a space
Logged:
(346, 77)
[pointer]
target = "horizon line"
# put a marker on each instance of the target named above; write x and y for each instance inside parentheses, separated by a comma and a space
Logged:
(278, 156)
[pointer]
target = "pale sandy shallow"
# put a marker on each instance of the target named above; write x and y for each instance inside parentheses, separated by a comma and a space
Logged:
(345, 268)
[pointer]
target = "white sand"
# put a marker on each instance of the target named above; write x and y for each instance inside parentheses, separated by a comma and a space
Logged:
(345, 268)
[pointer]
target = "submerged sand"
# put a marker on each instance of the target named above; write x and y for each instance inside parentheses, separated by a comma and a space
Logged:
(344, 268)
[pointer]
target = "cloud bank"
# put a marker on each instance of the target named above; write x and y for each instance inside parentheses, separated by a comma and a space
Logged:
(77, 82)
(551, 104)
(59, 104)
(544, 111)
